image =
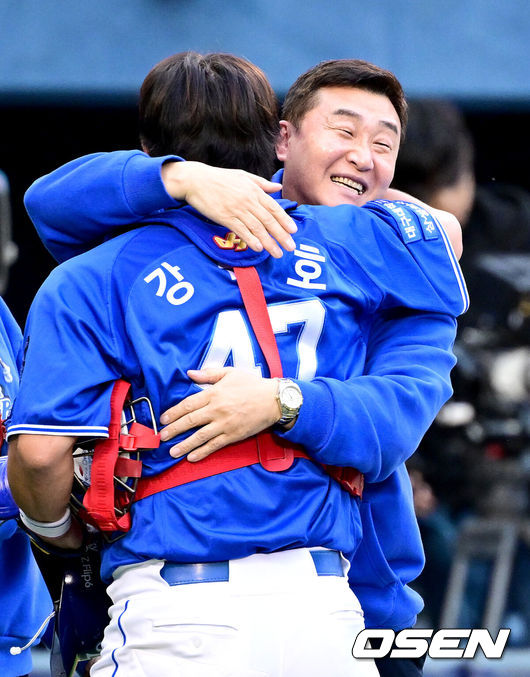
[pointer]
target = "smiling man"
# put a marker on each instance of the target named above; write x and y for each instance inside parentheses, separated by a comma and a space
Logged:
(339, 142)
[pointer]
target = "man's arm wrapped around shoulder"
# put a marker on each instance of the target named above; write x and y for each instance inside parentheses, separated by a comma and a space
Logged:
(375, 422)
(95, 197)
(89, 200)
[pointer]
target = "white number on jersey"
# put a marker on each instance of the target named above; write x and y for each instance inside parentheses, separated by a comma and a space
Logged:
(232, 337)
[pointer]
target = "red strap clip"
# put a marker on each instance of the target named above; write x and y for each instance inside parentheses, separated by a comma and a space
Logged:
(139, 437)
(350, 479)
(104, 501)
(272, 455)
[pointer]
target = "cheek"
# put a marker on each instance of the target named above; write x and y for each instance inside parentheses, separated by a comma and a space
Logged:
(385, 170)
(323, 149)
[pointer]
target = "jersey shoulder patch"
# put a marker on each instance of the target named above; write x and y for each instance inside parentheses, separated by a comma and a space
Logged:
(429, 245)
(413, 222)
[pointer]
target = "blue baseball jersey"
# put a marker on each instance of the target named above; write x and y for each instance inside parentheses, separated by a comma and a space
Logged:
(24, 599)
(408, 364)
(156, 301)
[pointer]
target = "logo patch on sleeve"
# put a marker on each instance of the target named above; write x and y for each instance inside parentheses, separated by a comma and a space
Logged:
(427, 222)
(410, 232)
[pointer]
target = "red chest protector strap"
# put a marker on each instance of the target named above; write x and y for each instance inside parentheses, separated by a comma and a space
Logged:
(107, 507)
(273, 455)
(265, 448)
(254, 301)
(103, 504)
(232, 457)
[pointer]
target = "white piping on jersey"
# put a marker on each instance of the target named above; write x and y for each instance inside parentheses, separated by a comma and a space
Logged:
(456, 267)
(74, 430)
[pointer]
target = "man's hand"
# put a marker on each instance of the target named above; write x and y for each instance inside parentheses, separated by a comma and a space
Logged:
(238, 405)
(235, 199)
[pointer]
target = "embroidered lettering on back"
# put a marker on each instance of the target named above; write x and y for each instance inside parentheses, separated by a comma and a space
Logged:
(427, 223)
(178, 293)
(308, 268)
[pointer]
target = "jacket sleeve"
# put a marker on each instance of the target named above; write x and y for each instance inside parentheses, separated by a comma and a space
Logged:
(375, 421)
(88, 200)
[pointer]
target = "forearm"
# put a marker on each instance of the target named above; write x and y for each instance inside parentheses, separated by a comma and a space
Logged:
(40, 472)
(375, 421)
(91, 199)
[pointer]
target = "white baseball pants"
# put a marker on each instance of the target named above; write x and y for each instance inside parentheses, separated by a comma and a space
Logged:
(274, 617)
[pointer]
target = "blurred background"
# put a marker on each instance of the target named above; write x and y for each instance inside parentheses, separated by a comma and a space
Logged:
(70, 71)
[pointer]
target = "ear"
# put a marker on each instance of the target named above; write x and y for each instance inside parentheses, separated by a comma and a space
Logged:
(282, 145)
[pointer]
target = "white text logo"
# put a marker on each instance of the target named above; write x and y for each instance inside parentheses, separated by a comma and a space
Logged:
(177, 294)
(445, 643)
(308, 268)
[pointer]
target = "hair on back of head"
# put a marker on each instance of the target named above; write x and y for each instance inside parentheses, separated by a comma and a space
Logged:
(214, 108)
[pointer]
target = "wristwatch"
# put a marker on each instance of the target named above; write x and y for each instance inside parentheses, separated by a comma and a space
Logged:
(290, 399)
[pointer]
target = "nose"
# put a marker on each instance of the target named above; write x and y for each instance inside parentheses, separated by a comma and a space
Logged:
(360, 155)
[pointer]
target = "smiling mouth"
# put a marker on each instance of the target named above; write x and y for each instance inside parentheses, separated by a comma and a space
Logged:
(349, 183)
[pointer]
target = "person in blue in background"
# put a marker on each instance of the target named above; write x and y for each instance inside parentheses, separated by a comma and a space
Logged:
(25, 604)
(395, 604)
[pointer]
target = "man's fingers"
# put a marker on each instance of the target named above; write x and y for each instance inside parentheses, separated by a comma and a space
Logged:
(200, 438)
(268, 226)
(214, 445)
(251, 230)
(248, 229)
(265, 184)
(208, 375)
(191, 412)
(187, 406)
(184, 423)
(279, 214)
(275, 224)
(240, 226)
